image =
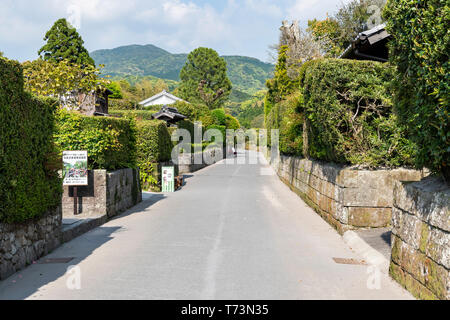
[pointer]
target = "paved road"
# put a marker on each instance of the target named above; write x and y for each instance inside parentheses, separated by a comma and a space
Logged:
(233, 232)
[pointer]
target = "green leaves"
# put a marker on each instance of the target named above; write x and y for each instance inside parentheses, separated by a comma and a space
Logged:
(351, 119)
(57, 79)
(420, 51)
(110, 142)
(64, 43)
(204, 78)
(29, 180)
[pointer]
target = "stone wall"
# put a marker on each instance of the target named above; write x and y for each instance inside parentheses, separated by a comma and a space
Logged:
(187, 163)
(108, 193)
(347, 198)
(22, 244)
(420, 258)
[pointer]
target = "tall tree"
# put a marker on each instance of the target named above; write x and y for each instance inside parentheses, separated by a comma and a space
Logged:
(204, 78)
(64, 43)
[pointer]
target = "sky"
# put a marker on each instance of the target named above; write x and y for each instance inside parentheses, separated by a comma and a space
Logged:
(231, 27)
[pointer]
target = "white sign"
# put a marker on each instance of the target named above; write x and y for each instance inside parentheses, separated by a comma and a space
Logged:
(75, 171)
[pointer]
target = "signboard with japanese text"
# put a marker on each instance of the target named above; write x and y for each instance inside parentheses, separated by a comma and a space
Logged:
(168, 179)
(75, 168)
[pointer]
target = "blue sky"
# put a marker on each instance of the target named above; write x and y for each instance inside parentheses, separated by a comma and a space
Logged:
(232, 27)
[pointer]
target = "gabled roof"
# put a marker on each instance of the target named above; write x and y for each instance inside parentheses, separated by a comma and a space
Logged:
(369, 45)
(159, 95)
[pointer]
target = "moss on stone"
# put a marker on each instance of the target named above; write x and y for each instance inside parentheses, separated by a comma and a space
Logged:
(424, 237)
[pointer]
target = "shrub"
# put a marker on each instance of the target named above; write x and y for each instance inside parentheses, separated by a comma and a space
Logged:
(29, 181)
(291, 125)
(231, 122)
(137, 114)
(192, 111)
(110, 142)
(349, 111)
(286, 116)
(223, 131)
(219, 117)
(154, 145)
(123, 104)
(420, 51)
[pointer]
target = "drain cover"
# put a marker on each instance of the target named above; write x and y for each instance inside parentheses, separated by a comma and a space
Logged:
(349, 261)
(56, 260)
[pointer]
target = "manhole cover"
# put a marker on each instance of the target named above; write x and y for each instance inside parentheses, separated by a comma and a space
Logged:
(349, 261)
(55, 260)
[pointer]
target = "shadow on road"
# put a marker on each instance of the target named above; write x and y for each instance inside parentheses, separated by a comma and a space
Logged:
(28, 282)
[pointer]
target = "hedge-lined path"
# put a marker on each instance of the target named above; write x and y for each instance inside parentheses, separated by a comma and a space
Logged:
(233, 232)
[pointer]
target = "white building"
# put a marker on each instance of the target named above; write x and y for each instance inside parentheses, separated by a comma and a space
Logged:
(163, 98)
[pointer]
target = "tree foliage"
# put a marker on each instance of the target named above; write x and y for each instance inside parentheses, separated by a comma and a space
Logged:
(64, 43)
(204, 78)
(62, 79)
(420, 51)
(337, 32)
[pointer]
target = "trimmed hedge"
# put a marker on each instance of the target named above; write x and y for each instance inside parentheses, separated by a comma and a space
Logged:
(154, 145)
(110, 142)
(137, 114)
(29, 180)
(350, 117)
(287, 117)
(420, 50)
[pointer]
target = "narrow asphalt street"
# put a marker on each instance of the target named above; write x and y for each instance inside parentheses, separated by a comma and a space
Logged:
(232, 232)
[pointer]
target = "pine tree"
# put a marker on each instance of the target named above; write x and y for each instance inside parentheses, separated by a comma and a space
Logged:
(204, 78)
(64, 43)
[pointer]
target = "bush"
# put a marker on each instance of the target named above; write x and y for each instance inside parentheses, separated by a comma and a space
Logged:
(137, 114)
(29, 181)
(420, 51)
(154, 145)
(192, 111)
(110, 142)
(223, 131)
(231, 122)
(349, 111)
(291, 125)
(123, 104)
(219, 117)
(286, 116)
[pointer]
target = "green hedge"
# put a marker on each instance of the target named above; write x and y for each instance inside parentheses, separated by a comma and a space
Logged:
(348, 107)
(420, 50)
(110, 142)
(154, 145)
(286, 116)
(29, 180)
(137, 114)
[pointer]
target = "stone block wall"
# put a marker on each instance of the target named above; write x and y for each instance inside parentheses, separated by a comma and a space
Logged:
(107, 193)
(187, 163)
(345, 197)
(22, 244)
(420, 258)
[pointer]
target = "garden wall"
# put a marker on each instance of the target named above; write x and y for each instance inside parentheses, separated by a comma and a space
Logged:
(347, 198)
(420, 258)
(186, 162)
(108, 193)
(22, 244)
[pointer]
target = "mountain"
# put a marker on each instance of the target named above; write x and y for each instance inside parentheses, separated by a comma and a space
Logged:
(247, 74)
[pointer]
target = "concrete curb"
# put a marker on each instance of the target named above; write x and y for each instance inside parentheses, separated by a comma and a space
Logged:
(370, 255)
(71, 232)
